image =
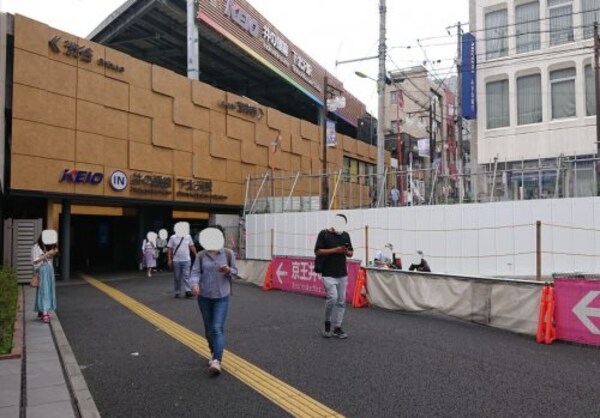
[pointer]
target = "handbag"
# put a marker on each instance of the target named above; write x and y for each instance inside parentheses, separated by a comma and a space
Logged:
(35, 280)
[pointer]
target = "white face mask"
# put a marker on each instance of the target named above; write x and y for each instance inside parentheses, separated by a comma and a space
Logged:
(212, 239)
(182, 229)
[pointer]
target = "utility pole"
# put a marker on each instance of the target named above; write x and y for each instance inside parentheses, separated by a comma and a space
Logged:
(597, 75)
(325, 179)
(381, 106)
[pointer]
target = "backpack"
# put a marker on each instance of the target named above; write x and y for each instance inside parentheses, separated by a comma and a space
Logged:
(228, 255)
(320, 261)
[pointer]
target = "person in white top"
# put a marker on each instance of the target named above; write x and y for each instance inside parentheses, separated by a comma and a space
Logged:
(394, 196)
(42, 254)
(180, 244)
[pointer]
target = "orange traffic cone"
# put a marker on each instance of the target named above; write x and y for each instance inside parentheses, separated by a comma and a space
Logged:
(541, 329)
(550, 331)
(268, 282)
(359, 299)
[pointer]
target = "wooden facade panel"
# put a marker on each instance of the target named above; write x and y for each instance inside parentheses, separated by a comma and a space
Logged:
(31, 35)
(223, 147)
(98, 52)
(300, 146)
(169, 83)
(254, 154)
(62, 111)
(30, 69)
(89, 148)
(183, 138)
(117, 94)
(309, 131)
(349, 145)
(116, 123)
(121, 59)
(201, 119)
(240, 129)
(140, 101)
(163, 132)
(207, 96)
(140, 128)
(61, 78)
(115, 152)
(182, 164)
(234, 171)
(25, 171)
(139, 73)
(30, 103)
(183, 113)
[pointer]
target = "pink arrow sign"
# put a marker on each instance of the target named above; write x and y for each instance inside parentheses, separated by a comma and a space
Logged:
(578, 310)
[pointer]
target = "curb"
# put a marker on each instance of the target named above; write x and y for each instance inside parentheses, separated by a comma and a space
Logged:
(77, 386)
(18, 335)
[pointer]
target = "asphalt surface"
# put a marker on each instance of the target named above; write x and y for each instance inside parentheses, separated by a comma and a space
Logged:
(393, 364)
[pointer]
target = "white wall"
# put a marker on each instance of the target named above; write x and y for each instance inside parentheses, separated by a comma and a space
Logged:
(492, 239)
(573, 136)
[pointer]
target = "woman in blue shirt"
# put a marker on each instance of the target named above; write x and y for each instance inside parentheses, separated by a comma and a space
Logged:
(211, 281)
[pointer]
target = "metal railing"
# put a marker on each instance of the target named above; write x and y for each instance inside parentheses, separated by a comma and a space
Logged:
(300, 192)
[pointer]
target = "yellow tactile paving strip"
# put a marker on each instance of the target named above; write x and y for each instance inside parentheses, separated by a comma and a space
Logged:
(280, 393)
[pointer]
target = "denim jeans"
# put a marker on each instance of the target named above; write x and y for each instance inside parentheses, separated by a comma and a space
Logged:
(214, 314)
(335, 302)
(181, 274)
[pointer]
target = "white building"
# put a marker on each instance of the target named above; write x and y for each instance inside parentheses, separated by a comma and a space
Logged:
(535, 90)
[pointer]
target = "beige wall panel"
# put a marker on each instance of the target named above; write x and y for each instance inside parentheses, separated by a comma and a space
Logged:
(218, 124)
(335, 155)
(218, 170)
(140, 128)
(265, 136)
(300, 146)
(89, 148)
(207, 96)
(286, 141)
(108, 190)
(295, 126)
(169, 83)
(306, 163)
(278, 120)
(223, 147)
(183, 138)
(61, 78)
(247, 170)
(117, 94)
(30, 69)
(162, 106)
(183, 112)
(139, 156)
(316, 165)
(254, 154)
(362, 148)
(115, 152)
(43, 140)
(240, 129)
(31, 35)
(201, 154)
(25, 171)
(201, 118)
(139, 73)
(163, 132)
(309, 131)
(116, 123)
(349, 145)
(123, 60)
(91, 117)
(372, 152)
(140, 101)
(90, 189)
(161, 160)
(29, 103)
(281, 160)
(62, 111)
(182, 163)
(233, 191)
(295, 163)
(234, 172)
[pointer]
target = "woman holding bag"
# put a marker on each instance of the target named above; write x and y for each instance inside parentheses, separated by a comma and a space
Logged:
(42, 254)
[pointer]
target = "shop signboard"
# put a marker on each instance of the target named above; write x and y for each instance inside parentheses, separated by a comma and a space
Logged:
(72, 175)
(297, 275)
(469, 80)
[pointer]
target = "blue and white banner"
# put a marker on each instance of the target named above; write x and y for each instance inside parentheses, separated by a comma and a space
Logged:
(331, 138)
(469, 77)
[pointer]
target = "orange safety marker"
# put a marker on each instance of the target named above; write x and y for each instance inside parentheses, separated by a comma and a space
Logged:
(550, 331)
(541, 329)
(268, 281)
(359, 300)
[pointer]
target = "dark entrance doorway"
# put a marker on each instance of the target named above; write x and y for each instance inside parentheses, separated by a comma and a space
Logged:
(103, 243)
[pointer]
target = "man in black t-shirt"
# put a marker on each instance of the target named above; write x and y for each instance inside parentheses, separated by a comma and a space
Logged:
(335, 246)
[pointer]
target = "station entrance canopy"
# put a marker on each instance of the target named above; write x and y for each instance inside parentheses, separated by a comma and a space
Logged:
(239, 51)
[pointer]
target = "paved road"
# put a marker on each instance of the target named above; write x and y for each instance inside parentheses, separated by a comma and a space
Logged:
(393, 364)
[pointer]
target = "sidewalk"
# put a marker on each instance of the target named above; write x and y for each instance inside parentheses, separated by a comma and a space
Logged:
(52, 383)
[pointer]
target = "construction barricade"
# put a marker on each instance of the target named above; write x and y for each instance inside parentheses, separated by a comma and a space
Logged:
(359, 300)
(546, 331)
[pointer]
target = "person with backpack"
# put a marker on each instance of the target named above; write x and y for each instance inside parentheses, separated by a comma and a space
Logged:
(332, 248)
(210, 280)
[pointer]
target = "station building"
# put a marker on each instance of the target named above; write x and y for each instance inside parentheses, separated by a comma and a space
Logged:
(110, 137)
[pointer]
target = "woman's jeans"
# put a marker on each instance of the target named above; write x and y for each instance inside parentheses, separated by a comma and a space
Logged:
(214, 314)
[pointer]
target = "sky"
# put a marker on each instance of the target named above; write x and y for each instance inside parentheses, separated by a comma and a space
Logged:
(328, 31)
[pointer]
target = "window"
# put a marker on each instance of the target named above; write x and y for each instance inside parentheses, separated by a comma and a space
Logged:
(562, 86)
(497, 104)
(529, 99)
(561, 21)
(590, 91)
(394, 96)
(528, 27)
(591, 14)
(496, 30)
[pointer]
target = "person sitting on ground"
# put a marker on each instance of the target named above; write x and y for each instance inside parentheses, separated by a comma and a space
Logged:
(419, 263)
